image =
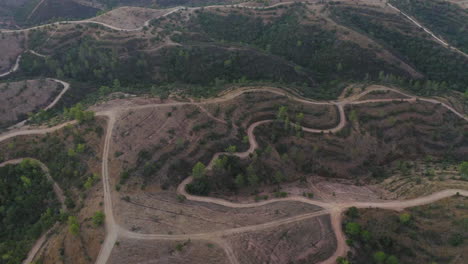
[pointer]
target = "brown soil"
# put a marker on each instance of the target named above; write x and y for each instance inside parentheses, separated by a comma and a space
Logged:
(165, 252)
(307, 241)
(82, 248)
(161, 212)
(129, 17)
(17, 99)
(383, 95)
(11, 45)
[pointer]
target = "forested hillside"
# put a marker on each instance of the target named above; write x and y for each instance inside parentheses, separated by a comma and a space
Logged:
(443, 67)
(28, 207)
(444, 18)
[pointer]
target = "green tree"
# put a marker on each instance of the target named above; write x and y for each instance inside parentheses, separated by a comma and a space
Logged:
(252, 176)
(380, 257)
(98, 218)
(341, 260)
(73, 225)
(104, 90)
(464, 169)
(71, 153)
(405, 218)
(366, 236)
(299, 118)
(339, 67)
(353, 229)
(231, 149)
(80, 148)
(279, 177)
(240, 180)
(116, 85)
(392, 260)
(198, 171)
(282, 113)
(352, 212)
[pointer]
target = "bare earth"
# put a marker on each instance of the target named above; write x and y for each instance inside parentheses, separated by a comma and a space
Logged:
(17, 99)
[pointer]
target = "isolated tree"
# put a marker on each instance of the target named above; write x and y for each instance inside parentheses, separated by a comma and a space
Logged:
(464, 169)
(353, 229)
(116, 85)
(73, 225)
(339, 67)
(252, 176)
(231, 149)
(240, 181)
(392, 260)
(98, 218)
(198, 171)
(299, 118)
(352, 212)
(366, 235)
(405, 218)
(380, 257)
(279, 177)
(341, 260)
(104, 90)
(282, 113)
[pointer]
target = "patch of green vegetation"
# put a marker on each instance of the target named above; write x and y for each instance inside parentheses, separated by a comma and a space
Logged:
(98, 218)
(28, 207)
(434, 233)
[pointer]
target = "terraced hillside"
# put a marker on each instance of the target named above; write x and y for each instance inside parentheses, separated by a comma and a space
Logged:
(259, 132)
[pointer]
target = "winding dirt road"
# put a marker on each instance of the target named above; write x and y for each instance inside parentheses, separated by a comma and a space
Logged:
(334, 209)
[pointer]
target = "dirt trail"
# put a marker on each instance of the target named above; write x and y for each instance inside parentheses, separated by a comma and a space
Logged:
(13, 69)
(34, 10)
(111, 227)
(66, 86)
(333, 208)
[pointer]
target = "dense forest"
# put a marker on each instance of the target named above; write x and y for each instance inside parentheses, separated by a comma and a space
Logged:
(442, 17)
(309, 46)
(28, 207)
(436, 62)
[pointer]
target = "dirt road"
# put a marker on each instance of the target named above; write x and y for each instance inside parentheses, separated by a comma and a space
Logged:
(113, 230)
(13, 69)
(66, 86)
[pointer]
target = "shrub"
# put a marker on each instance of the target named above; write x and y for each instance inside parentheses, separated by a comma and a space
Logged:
(405, 218)
(353, 229)
(98, 218)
